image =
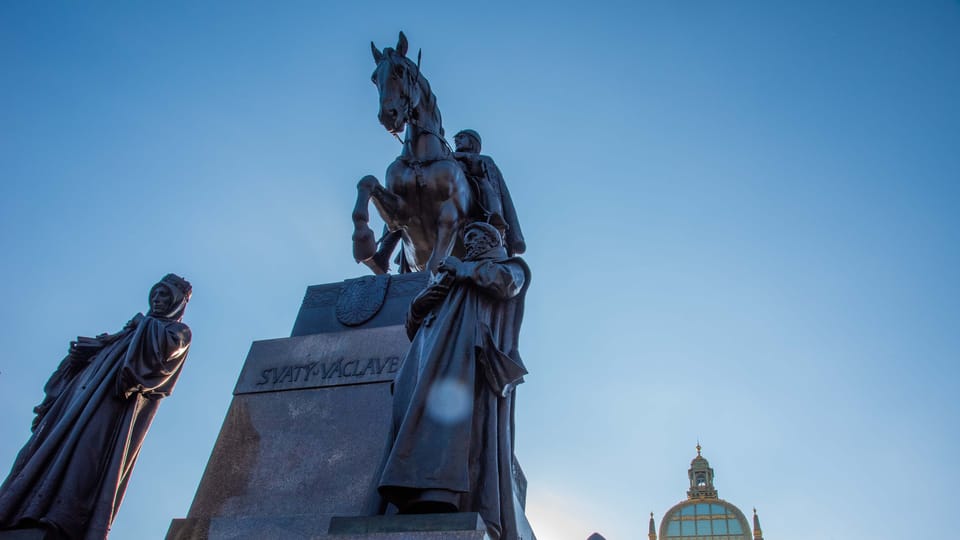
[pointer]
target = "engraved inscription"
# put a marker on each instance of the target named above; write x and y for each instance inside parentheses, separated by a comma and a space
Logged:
(331, 372)
(360, 356)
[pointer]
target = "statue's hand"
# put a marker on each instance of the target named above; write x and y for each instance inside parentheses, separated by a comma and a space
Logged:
(430, 298)
(132, 323)
(422, 305)
(452, 266)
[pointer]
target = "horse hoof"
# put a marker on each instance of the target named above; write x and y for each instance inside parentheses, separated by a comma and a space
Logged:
(364, 244)
(374, 263)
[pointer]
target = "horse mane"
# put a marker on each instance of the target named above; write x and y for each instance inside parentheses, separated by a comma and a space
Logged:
(431, 102)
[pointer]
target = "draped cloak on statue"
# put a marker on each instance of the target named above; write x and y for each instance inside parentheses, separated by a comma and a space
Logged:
(513, 237)
(72, 473)
(454, 396)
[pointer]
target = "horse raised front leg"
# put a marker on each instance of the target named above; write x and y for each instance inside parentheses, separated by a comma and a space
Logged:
(448, 225)
(390, 208)
(364, 242)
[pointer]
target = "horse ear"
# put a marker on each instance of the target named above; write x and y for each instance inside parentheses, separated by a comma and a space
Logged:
(402, 44)
(377, 55)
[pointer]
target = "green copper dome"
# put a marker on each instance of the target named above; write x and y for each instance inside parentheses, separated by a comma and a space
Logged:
(702, 520)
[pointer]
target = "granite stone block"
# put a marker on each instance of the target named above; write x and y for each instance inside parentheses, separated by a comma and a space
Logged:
(308, 441)
(309, 426)
(298, 451)
(318, 312)
(319, 360)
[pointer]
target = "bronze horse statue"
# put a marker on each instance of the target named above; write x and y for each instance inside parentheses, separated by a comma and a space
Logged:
(427, 199)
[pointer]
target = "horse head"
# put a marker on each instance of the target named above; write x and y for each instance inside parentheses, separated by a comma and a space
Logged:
(427, 197)
(398, 80)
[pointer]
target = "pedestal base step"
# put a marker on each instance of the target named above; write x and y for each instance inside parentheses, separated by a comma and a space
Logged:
(460, 525)
(457, 526)
(25, 534)
(413, 535)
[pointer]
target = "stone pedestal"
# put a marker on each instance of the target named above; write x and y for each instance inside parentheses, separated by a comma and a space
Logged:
(308, 429)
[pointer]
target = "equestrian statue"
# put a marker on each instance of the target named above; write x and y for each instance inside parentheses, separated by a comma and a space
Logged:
(431, 192)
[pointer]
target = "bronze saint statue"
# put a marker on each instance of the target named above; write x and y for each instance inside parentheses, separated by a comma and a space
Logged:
(454, 394)
(491, 190)
(427, 199)
(70, 477)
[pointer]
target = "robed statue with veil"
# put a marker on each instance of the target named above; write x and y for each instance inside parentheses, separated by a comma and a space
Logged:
(70, 477)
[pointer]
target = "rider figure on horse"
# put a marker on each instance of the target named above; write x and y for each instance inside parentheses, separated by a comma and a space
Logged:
(491, 191)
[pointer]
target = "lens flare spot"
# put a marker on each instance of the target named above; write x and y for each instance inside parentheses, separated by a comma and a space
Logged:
(448, 401)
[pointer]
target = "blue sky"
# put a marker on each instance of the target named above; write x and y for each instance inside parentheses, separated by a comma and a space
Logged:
(742, 219)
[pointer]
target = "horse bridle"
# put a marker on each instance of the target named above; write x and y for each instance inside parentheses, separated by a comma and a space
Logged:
(409, 108)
